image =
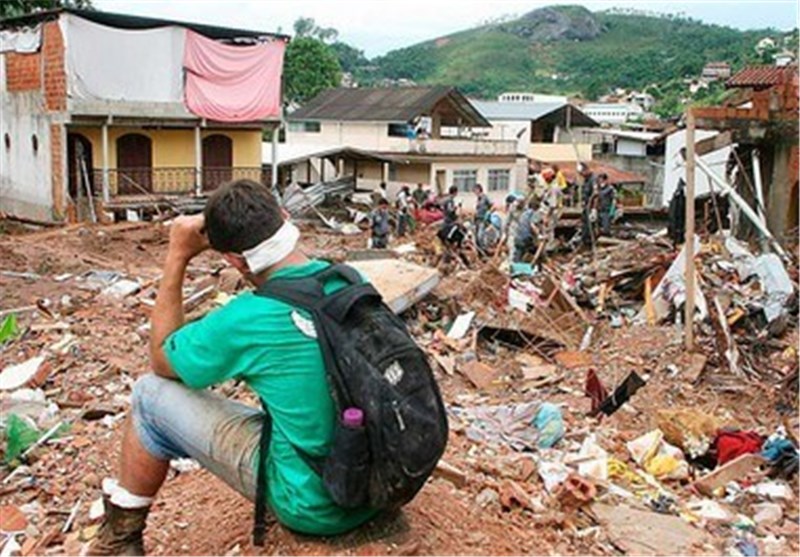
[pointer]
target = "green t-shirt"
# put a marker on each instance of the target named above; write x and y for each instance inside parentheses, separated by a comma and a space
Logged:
(267, 344)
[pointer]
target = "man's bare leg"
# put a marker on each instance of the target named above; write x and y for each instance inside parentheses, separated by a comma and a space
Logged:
(127, 503)
(140, 473)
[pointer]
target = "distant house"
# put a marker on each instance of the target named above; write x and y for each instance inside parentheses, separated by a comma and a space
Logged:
(530, 97)
(101, 106)
(613, 113)
(539, 128)
(716, 70)
(784, 58)
(645, 100)
(409, 135)
(766, 43)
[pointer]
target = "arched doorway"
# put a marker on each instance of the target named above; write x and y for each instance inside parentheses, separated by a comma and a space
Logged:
(80, 167)
(134, 164)
(217, 161)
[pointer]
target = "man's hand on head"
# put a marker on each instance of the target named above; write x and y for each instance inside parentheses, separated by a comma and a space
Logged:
(187, 237)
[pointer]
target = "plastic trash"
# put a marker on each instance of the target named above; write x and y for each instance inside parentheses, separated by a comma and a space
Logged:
(9, 328)
(550, 423)
(19, 436)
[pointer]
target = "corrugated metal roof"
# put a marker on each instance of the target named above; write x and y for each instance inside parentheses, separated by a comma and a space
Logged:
(628, 134)
(759, 77)
(532, 111)
(398, 104)
(496, 110)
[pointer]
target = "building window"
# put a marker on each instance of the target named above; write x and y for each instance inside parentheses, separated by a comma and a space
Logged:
(392, 172)
(7, 141)
(305, 127)
(465, 180)
(499, 179)
(35, 143)
(399, 130)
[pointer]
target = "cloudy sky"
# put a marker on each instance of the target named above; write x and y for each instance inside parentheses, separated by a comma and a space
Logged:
(377, 26)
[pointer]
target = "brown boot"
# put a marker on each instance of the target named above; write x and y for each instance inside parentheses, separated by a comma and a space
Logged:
(121, 531)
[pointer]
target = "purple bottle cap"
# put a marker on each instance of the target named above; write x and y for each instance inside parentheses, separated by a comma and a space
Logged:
(353, 417)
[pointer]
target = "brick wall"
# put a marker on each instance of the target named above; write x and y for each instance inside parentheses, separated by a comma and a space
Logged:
(23, 71)
(55, 79)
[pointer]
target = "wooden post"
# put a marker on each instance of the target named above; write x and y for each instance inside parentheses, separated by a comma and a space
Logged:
(689, 242)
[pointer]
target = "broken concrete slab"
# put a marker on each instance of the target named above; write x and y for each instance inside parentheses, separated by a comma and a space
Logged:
(647, 533)
(401, 283)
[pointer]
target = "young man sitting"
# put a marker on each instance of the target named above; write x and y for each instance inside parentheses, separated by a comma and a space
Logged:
(270, 345)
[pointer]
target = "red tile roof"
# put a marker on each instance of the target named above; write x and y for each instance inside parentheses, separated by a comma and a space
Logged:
(761, 77)
(615, 175)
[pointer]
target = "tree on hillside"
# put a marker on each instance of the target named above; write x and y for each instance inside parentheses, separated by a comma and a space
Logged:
(14, 8)
(350, 58)
(310, 66)
(307, 27)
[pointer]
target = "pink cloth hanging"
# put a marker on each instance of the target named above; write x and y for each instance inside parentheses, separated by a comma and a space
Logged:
(232, 83)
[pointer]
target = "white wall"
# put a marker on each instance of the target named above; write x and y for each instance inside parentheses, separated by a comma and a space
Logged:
(631, 147)
(675, 167)
(508, 130)
(25, 177)
(373, 136)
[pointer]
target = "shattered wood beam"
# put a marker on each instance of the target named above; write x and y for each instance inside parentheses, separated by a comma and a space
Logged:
(689, 241)
(743, 205)
(758, 185)
(711, 144)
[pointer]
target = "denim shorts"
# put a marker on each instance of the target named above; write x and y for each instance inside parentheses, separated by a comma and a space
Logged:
(173, 421)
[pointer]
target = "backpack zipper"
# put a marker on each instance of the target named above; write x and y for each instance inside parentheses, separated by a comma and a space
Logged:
(397, 413)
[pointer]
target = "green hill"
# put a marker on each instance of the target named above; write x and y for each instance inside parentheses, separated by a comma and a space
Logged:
(569, 50)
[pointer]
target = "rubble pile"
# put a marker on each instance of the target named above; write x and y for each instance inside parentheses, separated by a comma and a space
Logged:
(579, 423)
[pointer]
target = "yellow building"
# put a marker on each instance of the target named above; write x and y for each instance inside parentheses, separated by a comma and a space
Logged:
(146, 159)
(95, 105)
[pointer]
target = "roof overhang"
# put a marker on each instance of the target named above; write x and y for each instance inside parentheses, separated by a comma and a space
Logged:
(133, 22)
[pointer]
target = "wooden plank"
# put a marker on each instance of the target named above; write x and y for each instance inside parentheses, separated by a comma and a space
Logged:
(728, 472)
(401, 283)
(711, 144)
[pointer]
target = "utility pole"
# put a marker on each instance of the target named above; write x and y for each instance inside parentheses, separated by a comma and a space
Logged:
(689, 241)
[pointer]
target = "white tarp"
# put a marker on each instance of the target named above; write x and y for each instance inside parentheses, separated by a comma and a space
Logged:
(25, 40)
(675, 165)
(105, 63)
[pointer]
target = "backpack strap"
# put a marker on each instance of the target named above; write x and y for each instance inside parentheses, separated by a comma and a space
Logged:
(305, 293)
(260, 519)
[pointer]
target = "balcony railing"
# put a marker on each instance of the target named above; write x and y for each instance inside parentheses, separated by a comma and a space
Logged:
(453, 146)
(172, 180)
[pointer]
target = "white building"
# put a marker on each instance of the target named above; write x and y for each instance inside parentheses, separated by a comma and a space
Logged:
(410, 135)
(538, 128)
(613, 113)
(530, 98)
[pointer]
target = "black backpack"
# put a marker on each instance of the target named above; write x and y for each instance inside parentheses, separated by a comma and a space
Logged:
(372, 364)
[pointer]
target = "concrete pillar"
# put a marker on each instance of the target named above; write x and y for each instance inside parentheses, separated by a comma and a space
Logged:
(106, 184)
(274, 174)
(198, 161)
(779, 200)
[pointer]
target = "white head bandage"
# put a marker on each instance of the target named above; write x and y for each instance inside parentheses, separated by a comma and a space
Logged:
(273, 249)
